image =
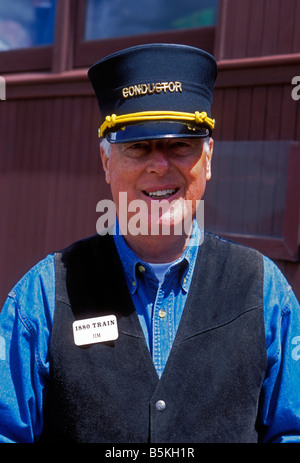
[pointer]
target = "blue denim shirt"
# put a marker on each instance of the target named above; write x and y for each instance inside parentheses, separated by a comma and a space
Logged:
(159, 305)
(27, 317)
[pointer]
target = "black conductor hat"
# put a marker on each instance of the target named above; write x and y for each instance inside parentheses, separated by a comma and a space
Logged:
(155, 91)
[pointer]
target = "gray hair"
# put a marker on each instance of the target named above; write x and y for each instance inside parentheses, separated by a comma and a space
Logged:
(106, 146)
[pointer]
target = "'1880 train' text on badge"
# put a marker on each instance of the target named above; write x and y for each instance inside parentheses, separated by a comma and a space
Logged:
(94, 330)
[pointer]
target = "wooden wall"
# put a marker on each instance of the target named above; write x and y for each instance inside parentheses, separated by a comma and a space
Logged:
(258, 51)
(50, 179)
(50, 173)
(252, 28)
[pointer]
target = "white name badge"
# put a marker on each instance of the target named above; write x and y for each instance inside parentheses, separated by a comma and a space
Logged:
(93, 330)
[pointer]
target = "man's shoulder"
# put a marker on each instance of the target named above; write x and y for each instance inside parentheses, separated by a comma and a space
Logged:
(226, 245)
(42, 272)
(85, 270)
(33, 295)
(86, 243)
(240, 263)
(92, 249)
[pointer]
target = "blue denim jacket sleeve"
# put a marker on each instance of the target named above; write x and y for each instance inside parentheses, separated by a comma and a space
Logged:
(25, 326)
(280, 409)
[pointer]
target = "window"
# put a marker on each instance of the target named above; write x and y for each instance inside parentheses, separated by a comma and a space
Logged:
(253, 196)
(58, 35)
(26, 23)
(106, 26)
(121, 18)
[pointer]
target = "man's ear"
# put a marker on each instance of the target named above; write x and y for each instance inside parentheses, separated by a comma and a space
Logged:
(208, 148)
(105, 164)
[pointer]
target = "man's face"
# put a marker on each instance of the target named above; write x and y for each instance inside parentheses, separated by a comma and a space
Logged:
(169, 169)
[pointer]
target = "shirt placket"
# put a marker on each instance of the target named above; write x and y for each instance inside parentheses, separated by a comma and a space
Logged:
(163, 327)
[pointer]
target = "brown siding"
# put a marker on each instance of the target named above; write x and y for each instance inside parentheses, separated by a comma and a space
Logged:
(258, 28)
(256, 111)
(253, 102)
(50, 179)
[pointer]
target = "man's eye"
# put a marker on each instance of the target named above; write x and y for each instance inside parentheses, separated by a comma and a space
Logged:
(137, 149)
(181, 147)
(181, 142)
(138, 146)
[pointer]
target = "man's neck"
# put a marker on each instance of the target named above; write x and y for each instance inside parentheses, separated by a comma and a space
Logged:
(158, 248)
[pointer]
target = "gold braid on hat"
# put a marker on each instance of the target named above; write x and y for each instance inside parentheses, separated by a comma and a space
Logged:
(150, 116)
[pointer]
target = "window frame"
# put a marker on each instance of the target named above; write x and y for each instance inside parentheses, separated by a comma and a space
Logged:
(86, 52)
(286, 247)
(31, 59)
(26, 59)
(70, 51)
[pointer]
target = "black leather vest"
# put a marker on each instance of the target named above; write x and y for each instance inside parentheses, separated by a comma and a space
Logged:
(108, 392)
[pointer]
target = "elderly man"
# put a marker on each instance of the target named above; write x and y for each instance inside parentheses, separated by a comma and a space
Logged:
(139, 335)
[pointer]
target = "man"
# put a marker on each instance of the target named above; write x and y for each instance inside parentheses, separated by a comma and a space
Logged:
(139, 335)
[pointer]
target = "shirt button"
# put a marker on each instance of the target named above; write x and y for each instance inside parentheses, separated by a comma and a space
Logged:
(141, 269)
(162, 313)
(160, 405)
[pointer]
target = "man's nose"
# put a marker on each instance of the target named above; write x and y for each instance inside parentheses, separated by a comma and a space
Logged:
(158, 162)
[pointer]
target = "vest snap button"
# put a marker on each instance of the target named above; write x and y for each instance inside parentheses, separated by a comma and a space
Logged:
(160, 405)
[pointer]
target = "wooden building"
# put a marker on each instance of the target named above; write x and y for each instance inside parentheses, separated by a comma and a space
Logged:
(50, 174)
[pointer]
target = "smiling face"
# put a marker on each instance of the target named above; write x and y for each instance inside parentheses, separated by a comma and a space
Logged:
(155, 170)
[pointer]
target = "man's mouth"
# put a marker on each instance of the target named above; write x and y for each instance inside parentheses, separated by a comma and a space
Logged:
(161, 194)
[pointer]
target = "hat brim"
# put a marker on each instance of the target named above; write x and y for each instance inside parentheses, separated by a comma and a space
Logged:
(156, 131)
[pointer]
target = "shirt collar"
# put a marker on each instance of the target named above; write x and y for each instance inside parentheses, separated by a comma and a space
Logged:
(133, 265)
